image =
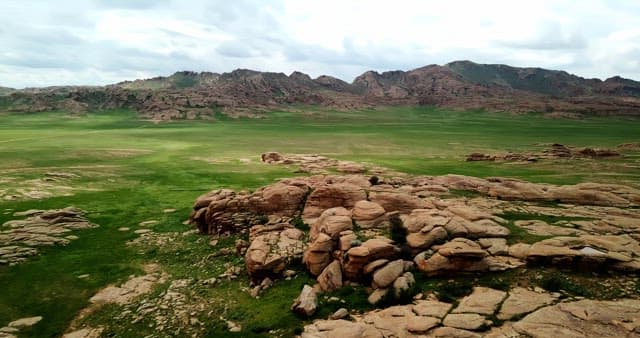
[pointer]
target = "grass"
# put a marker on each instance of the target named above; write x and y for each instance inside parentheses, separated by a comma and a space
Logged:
(130, 170)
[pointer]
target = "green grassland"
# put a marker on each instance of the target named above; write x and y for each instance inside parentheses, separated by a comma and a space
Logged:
(130, 170)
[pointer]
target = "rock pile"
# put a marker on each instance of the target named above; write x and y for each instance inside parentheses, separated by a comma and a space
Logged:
(555, 151)
(317, 164)
(19, 239)
(544, 314)
(378, 232)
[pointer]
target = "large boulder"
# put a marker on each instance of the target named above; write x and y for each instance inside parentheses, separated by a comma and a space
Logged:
(272, 250)
(369, 251)
(224, 210)
(397, 200)
(307, 302)
(332, 222)
(331, 277)
(318, 254)
(386, 275)
(325, 196)
(368, 214)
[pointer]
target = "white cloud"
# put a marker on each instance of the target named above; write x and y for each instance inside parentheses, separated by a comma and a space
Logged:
(99, 41)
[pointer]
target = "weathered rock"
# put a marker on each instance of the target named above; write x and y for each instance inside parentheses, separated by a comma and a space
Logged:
(450, 332)
(332, 222)
(318, 254)
(494, 246)
(369, 251)
(25, 322)
(431, 308)
(326, 196)
(521, 301)
(331, 277)
(306, 303)
(422, 324)
(584, 318)
(482, 301)
(403, 284)
(339, 314)
(424, 240)
(272, 250)
(42, 228)
(465, 321)
(386, 275)
(368, 214)
(460, 247)
(397, 201)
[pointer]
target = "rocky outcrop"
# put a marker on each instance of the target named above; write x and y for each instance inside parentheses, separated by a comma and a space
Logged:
(20, 239)
(544, 317)
(273, 247)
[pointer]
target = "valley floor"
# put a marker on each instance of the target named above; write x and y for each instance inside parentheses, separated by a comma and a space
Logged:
(137, 180)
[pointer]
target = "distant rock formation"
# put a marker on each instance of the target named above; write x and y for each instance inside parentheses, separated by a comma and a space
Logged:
(460, 85)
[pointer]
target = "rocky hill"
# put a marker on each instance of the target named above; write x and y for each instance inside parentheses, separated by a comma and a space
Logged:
(459, 85)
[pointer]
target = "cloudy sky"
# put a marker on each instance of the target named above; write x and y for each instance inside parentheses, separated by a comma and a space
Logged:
(50, 42)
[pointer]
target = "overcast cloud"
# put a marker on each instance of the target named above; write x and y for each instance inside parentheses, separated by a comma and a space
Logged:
(96, 42)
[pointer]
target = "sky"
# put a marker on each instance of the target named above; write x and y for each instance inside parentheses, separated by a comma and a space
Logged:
(97, 42)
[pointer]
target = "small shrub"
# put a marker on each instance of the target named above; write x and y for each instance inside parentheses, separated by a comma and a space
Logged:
(397, 230)
(300, 224)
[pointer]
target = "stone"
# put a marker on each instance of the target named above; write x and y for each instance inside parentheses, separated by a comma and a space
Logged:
(465, 321)
(142, 231)
(403, 284)
(326, 196)
(521, 301)
(431, 308)
(273, 249)
(368, 214)
(450, 332)
(339, 314)
(397, 201)
(460, 247)
(482, 301)
(376, 296)
(25, 322)
(318, 254)
(371, 267)
(425, 219)
(422, 324)
(369, 251)
(495, 246)
(332, 222)
(306, 303)
(584, 318)
(87, 332)
(331, 277)
(386, 275)
(420, 240)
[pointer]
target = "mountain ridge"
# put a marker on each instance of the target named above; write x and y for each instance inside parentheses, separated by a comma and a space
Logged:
(458, 84)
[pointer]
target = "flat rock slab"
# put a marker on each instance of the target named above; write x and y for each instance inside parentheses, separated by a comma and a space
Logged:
(521, 301)
(431, 308)
(25, 322)
(465, 321)
(85, 333)
(482, 300)
(585, 318)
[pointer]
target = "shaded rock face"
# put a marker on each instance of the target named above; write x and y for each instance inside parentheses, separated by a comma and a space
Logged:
(20, 239)
(272, 249)
(224, 210)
